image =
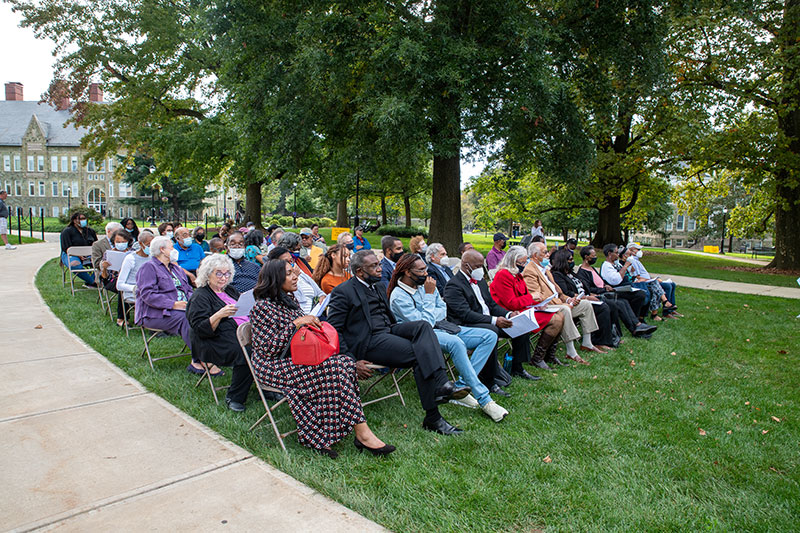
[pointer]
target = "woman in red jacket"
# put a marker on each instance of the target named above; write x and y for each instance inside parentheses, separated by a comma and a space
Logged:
(509, 290)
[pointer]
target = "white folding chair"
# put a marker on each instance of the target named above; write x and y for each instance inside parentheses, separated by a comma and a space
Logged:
(78, 251)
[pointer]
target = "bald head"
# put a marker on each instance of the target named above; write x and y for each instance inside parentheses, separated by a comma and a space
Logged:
(473, 258)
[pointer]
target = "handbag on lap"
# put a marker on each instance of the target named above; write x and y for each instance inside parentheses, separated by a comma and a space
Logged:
(311, 345)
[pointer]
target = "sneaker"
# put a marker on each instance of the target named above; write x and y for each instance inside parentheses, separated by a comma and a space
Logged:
(467, 401)
(494, 411)
(9, 247)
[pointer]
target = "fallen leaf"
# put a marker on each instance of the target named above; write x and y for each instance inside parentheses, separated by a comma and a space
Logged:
(673, 353)
(729, 432)
(764, 431)
(747, 403)
(547, 459)
(565, 390)
(633, 363)
(782, 352)
(702, 431)
(594, 377)
(776, 419)
(37, 326)
(713, 410)
(746, 305)
(747, 340)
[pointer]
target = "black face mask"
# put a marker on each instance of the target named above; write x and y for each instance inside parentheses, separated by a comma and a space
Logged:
(520, 268)
(396, 256)
(571, 266)
(592, 261)
(420, 280)
(372, 280)
(200, 237)
(351, 245)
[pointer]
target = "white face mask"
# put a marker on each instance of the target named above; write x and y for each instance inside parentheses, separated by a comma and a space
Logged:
(444, 261)
(169, 234)
(173, 255)
(423, 247)
(639, 254)
(236, 253)
(121, 246)
(476, 274)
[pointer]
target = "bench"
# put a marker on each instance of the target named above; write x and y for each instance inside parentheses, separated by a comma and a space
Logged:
(762, 250)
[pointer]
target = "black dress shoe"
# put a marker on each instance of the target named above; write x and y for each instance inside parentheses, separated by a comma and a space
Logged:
(234, 406)
(385, 450)
(541, 364)
(442, 427)
(524, 375)
(449, 391)
(556, 361)
(644, 329)
(499, 391)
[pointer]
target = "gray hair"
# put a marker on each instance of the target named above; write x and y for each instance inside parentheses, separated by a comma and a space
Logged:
(158, 244)
(211, 263)
(357, 260)
(533, 247)
(145, 235)
(195, 230)
(509, 261)
(289, 241)
(113, 226)
(340, 239)
(433, 249)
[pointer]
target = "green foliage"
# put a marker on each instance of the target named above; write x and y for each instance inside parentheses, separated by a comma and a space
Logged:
(95, 219)
(173, 194)
(402, 231)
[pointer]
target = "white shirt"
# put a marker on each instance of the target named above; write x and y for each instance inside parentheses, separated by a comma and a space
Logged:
(307, 290)
(477, 290)
(547, 280)
(610, 274)
(126, 281)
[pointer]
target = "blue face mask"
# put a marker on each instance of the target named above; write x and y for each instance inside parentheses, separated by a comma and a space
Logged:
(545, 262)
(84, 223)
(187, 242)
(296, 255)
(121, 246)
(129, 230)
(146, 250)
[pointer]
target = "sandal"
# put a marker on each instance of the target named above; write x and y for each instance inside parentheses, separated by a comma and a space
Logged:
(578, 359)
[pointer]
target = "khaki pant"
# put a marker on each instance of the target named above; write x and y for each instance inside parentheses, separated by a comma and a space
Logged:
(584, 313)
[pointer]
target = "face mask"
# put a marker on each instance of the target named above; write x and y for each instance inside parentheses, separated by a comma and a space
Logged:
(420, 280)
(592, 261)
(476, 274)
(173, 256)
(351, 246)
(187, 242)
(444, 261)
(296, 255)
(520, 268)
(372, 280)
(84, 223)
(121, 246)
(545, 262)
(423, 247)
(200, 237)
(639, 254)
(129, 230)
(396, 257)
(571, 266)
(236, 253)
(146, 250)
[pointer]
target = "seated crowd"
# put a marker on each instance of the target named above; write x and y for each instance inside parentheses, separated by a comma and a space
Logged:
(391, 309)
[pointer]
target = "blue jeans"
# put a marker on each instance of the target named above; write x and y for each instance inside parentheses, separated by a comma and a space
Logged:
(669, 291)
(483, 342)
(75, 262)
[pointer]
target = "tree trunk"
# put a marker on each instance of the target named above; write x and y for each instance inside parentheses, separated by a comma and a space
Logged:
(407, 205)
(252, 204)
(787, 229)
(565, 233)
(341, 214)
(446, 202)
(383, 211)
(608, 224)
(730, 244)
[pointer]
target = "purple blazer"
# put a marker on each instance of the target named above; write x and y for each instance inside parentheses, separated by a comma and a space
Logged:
(155, 290)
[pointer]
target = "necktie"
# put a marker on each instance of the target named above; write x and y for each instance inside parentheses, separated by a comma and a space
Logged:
(474, 282)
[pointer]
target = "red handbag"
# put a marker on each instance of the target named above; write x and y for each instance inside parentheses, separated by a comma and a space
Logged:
(311, 345)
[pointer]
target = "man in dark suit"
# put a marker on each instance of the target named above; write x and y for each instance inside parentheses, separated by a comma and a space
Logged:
(359, 310)
(392, 252)
(435, 255)
(469, 303)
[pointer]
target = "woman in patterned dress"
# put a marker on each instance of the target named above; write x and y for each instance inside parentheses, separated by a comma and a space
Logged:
(324, 398)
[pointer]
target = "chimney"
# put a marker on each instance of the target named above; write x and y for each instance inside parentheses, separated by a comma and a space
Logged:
(14, 91)
(95, 92)
(63, 103)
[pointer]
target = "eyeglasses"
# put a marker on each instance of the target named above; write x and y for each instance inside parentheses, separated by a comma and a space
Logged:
(222, 275)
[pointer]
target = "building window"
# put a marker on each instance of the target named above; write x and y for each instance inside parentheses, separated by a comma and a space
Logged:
(55, 189)
(64, 211)
(90, 166)
(31, 188)
(111, 190)
(31, 168)
(678, 243)
(64, 164)
(41, 189)
(17, 189)
(76, 192)
(101, 177)
(692, 225)
(90, 177)
(40, 165)
(668, 226)
(102, 166)
(680, 225)
(65, 188)
(54, 163)
(668, 243)
(74, 162)
(17, 164)
(111, 164)
(121, 212)
(96, 199)
(8, 188)
(55, 211)
(7, 163)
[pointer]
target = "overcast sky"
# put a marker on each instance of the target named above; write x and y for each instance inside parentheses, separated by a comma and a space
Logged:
(29, 61)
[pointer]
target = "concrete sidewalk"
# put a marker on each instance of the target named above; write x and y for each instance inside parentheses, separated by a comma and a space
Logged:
(732, 286)
(87, 448)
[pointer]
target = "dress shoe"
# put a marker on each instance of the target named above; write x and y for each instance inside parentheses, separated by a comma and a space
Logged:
(578, 359)
(382, 452)
(449, 391)
(592, 349)
(541, 364)
(467, 401)
(496, 389)
(494, 411)
(234, 406)
(555, 361)
(442, 427)
(524, 375)
(333, 454)
(644, 329)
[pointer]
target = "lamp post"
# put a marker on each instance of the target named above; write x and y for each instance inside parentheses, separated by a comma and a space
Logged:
(722, 241)
(294, 212)
(357, 220)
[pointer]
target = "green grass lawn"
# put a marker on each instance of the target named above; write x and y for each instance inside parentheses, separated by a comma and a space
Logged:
(623, 435)
(14, 239)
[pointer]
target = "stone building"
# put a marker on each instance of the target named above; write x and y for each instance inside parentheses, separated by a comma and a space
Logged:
(42, 164)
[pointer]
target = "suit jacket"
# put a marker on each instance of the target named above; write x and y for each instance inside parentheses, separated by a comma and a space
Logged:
(441, 281)
(537, 284)
(155, 290)
(463, 307)
(388, 269)
(99, 248)
(219, 346)
(348, 312)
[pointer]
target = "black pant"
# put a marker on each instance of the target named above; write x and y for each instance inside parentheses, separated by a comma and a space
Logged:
(636, 299)
(411, 345)
(111, 285)
(520, 353)
(621, 310)
(241, 380)
(602, 313)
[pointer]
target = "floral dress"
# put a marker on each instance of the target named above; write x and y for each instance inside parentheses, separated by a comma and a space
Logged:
(324, 399)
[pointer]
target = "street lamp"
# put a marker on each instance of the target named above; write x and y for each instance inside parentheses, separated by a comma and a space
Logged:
(294, 213)
(722, 242)
(356, 220)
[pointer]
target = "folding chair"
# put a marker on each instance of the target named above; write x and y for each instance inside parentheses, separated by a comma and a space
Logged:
(127, 306)
(207, 375)
(64, 270)
(78, 251)
(388, 372)
(153, 332)
(244, 333)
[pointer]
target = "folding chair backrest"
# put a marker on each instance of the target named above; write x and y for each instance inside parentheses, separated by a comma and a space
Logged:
(79, 250)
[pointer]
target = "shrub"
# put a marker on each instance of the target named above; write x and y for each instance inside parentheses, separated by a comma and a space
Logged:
(285, 221)
(95, 218)
(402, 231)
(325, 222)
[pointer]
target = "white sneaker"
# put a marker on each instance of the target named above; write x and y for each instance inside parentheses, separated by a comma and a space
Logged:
(9, 247)
(467, 401)
(494, 411)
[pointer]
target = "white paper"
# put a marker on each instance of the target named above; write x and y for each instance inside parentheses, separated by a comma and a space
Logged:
(525, 322)
(549, 309)
(319, 309)
(593, 302)
(541, 305)
(245, 303)
(668, 280)
(115, 258)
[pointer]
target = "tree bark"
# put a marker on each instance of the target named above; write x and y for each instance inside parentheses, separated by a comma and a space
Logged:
(446, 201)
(407, 205)
(341, 214)
(787, 229)
(383, 211)
(608, 224)
(252, 204)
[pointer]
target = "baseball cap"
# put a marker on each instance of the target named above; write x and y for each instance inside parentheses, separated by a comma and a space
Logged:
(635, 245)
(500, 237)
(305, 231)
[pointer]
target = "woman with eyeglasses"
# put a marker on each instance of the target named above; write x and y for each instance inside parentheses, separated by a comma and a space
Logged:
(213, 327)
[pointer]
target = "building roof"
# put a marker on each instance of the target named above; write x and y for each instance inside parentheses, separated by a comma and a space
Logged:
(15, 117)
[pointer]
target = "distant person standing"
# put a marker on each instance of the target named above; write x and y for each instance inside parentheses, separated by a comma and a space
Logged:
(4, 220)
(537, 229)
